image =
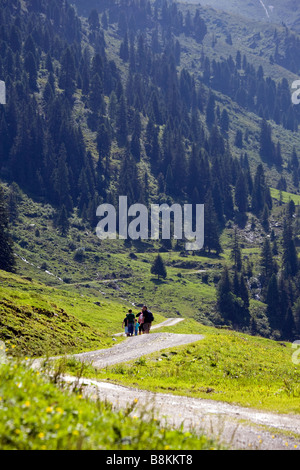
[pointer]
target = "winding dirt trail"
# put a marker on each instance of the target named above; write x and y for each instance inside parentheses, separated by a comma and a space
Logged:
(238, 427)
(135, 347)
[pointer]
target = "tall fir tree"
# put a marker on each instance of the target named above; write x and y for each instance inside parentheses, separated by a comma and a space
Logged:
(7, 259)
(158, 267)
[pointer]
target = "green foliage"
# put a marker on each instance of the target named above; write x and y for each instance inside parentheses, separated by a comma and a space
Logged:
(45, 418)
(7, 261)
(158, 268)
(224, 366)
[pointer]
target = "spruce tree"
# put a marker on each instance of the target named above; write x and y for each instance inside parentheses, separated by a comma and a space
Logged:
(62, 221)
(224, 122)
(244, 293)
(267, 262)
(211, 229)
(225, 297)
(7, 260)
(259, 190)
(122, 122)
(236, 252)
(290, 263)
(241, 193)
(210, 111)
(158, 267)
(273, 303)
(267, 149)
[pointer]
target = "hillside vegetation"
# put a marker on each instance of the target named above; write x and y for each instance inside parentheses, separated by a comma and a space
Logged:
(224, 366)
(163, 102)
(45, 418)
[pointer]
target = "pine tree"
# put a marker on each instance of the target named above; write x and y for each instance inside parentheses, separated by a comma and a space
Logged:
(158, 267)
(236, 255)
(122, 122)
(210, 111)
(259, 190)
(62, 221)
(94, 20)
(267, 150)
(124, 49)
(265, 218)
(211, 229)
(7, 260)
(68, 73)
(61, 181)
(244, 293)
(273, 303)
(31, 69)
(225, 297)
(267, 262)
(241, 193)
(290, 262)
(129, 184)
(238, 142)
(224, 123)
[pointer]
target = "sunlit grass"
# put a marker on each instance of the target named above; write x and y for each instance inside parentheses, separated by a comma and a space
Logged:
(36, 415)
(225, 366)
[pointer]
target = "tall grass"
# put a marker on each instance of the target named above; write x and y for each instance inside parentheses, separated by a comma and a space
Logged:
(35, 414)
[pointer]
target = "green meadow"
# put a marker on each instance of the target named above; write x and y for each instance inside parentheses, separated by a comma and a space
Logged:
(36, 415)
(225, 366)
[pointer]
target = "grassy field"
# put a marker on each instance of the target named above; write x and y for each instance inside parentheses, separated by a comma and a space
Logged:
(36, 415)
(225, 366)
(286, 197)
(37, 319)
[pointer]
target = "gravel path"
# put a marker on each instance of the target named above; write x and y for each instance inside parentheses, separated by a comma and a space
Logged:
(134, 347)
(234, 426)
(238, 427)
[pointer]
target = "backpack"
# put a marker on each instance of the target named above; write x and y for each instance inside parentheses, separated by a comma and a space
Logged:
(141, 319)
(149, 316)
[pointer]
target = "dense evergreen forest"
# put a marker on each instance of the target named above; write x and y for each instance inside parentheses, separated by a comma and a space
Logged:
(159, 135)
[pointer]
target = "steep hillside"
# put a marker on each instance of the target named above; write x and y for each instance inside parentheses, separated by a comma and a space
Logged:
(273, 11)
(161, 102)
(37, 320)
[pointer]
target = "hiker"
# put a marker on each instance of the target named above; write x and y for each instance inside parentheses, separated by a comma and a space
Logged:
(125, 324)
(140, 320)
(136, 327)
(148, 319)
(131, 318)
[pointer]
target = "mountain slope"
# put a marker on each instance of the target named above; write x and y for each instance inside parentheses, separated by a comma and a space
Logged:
(162, 102)
(274, 11)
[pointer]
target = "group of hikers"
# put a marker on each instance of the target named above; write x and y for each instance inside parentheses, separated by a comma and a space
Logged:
(138, 324)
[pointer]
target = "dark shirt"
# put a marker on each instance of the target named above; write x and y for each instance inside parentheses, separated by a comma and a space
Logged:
(130, 318)
(147, 316)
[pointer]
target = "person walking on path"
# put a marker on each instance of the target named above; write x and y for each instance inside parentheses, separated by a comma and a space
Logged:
(148, 319)
(136, 327)
(131, 318)
(140, 320)
(125, 325)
